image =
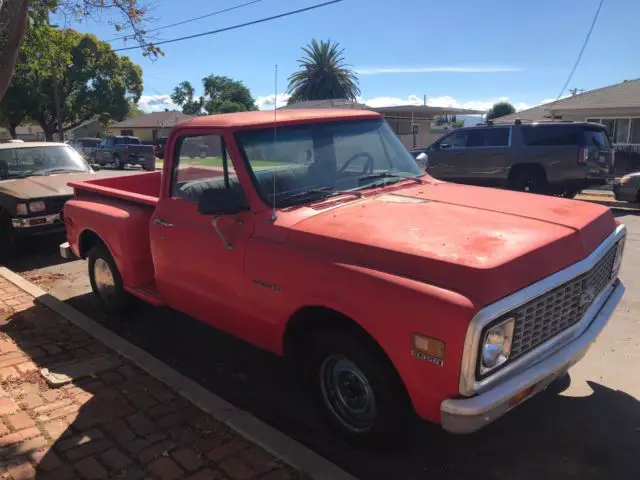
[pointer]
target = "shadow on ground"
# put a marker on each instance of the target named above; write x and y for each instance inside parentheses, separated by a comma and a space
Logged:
(120, 423)
(36, 252)
(551, 436)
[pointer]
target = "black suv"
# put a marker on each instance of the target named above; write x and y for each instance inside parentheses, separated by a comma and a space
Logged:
(556, 157)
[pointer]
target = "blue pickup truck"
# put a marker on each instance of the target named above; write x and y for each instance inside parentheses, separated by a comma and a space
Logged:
(118, 151)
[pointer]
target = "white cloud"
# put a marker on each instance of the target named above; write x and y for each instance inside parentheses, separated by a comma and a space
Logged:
(441, 101)
(267, 102)
(156, 103)
(444, 69)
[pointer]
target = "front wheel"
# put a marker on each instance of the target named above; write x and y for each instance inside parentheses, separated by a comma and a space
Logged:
(357, 389)
(106, 281)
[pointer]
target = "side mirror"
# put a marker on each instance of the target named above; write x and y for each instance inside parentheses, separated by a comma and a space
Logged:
(222, 201)
(423, 160)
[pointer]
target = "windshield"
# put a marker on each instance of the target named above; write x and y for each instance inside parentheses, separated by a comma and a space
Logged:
(28, 161)
(325, 158)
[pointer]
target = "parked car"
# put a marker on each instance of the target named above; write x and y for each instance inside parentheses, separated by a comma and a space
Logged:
(33, 189)
(627, 188)
(86, 147)
(119, 151)
(391, 292)
(561, 158)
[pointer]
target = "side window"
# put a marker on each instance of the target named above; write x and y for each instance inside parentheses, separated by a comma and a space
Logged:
(497, 137)
(596, 138)
(201, 163)
(455, 140)
(548, 135)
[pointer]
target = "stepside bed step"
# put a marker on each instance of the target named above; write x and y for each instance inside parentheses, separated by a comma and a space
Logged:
(148, 293)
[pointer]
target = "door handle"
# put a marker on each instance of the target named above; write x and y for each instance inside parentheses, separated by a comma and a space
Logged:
(214, 222)
(162, 223)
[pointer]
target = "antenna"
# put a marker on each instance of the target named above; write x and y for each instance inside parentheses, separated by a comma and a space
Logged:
(275, 138)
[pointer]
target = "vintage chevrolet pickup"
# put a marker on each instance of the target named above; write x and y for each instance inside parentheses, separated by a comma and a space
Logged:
(315, 235)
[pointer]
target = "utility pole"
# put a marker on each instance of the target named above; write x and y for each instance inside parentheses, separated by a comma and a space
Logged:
(56, 93)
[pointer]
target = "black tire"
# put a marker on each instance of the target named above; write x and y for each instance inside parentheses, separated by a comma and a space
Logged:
(6, 238)
(119, 163)
(570, 193)
(390, 423)
(114, 300)
(529, 179)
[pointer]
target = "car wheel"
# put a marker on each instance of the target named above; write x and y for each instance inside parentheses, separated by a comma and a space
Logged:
(6, 238)
(106, 281)
(118, 162)
(570, 193)
(531, 180)
(357, 389)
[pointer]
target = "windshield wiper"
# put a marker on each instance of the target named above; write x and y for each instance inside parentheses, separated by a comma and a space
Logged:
(59, 170)
(323, 192)
(376, 176)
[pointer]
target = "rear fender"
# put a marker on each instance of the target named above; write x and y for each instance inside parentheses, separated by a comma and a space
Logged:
(124, 230)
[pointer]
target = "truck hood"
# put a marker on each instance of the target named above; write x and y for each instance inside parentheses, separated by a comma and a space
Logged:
(55, 185)
(484, 243)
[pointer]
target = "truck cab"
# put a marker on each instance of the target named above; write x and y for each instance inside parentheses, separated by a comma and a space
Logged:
(315, 235)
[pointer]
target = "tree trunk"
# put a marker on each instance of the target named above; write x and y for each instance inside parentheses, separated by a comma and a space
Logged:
(48, 134)
(12, 130)
(14, 13)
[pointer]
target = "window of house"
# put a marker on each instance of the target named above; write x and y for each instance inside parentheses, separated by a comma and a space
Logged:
(201, 163)
(621, 130)
(635, 131)
(126, 133)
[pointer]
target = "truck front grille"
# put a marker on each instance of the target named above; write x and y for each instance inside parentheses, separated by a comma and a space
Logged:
(55, 205)
(564, 306)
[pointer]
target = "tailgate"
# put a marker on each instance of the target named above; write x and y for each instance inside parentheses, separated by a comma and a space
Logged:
(139, 150)
(598, 154)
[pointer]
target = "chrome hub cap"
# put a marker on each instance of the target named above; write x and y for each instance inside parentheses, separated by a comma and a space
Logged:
(348, 393)
(105, 284)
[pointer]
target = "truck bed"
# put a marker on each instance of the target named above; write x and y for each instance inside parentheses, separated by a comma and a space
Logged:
(140, 188)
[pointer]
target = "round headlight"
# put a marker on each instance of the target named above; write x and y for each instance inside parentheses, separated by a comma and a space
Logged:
(496, 345)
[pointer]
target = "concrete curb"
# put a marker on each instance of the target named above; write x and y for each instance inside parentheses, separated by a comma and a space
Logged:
(612, 204)
(258, 432)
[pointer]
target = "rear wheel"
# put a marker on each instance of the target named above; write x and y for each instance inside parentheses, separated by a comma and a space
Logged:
(357, 389)
(106, 281)
(570, 193)
(529, 179)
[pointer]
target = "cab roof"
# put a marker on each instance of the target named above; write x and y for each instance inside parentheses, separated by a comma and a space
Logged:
(267, 118)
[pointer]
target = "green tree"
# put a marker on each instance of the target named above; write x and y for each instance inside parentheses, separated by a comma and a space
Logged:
(323, 74)
(500, 109)
(183, 95)
(126, 16)
(134, 110)
(93, 81)
(221, 95)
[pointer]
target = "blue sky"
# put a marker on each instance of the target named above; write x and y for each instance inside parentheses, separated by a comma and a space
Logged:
(467, 53)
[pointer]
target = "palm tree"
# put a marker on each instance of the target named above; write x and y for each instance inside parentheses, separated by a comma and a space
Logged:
(323, 74)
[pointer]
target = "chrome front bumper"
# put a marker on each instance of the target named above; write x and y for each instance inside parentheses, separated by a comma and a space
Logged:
(466, 415)
(32, 222)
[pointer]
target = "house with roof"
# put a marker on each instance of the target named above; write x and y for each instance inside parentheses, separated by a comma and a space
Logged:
(415, 125)
(150, 127)
(28, 133)
(617, 107)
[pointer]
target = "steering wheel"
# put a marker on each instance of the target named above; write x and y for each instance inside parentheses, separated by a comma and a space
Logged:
(368, 166)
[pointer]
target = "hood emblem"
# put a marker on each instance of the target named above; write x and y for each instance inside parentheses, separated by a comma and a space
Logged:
(587, 297)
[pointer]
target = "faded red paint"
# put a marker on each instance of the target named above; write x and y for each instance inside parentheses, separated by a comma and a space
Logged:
(403, 259)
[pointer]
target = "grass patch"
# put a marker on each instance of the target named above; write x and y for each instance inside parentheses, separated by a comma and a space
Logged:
(217, 162)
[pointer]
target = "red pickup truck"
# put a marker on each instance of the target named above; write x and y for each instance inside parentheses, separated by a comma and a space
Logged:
(315, 235)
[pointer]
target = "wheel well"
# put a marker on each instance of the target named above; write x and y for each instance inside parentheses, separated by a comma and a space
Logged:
(520, 167)
(87, 240)
(314, 319)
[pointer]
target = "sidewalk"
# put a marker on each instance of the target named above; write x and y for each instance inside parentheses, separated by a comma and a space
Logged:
(118, 423)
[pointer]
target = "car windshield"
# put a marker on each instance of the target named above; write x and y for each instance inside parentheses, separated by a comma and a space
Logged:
(300, 163)
(29, 161)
